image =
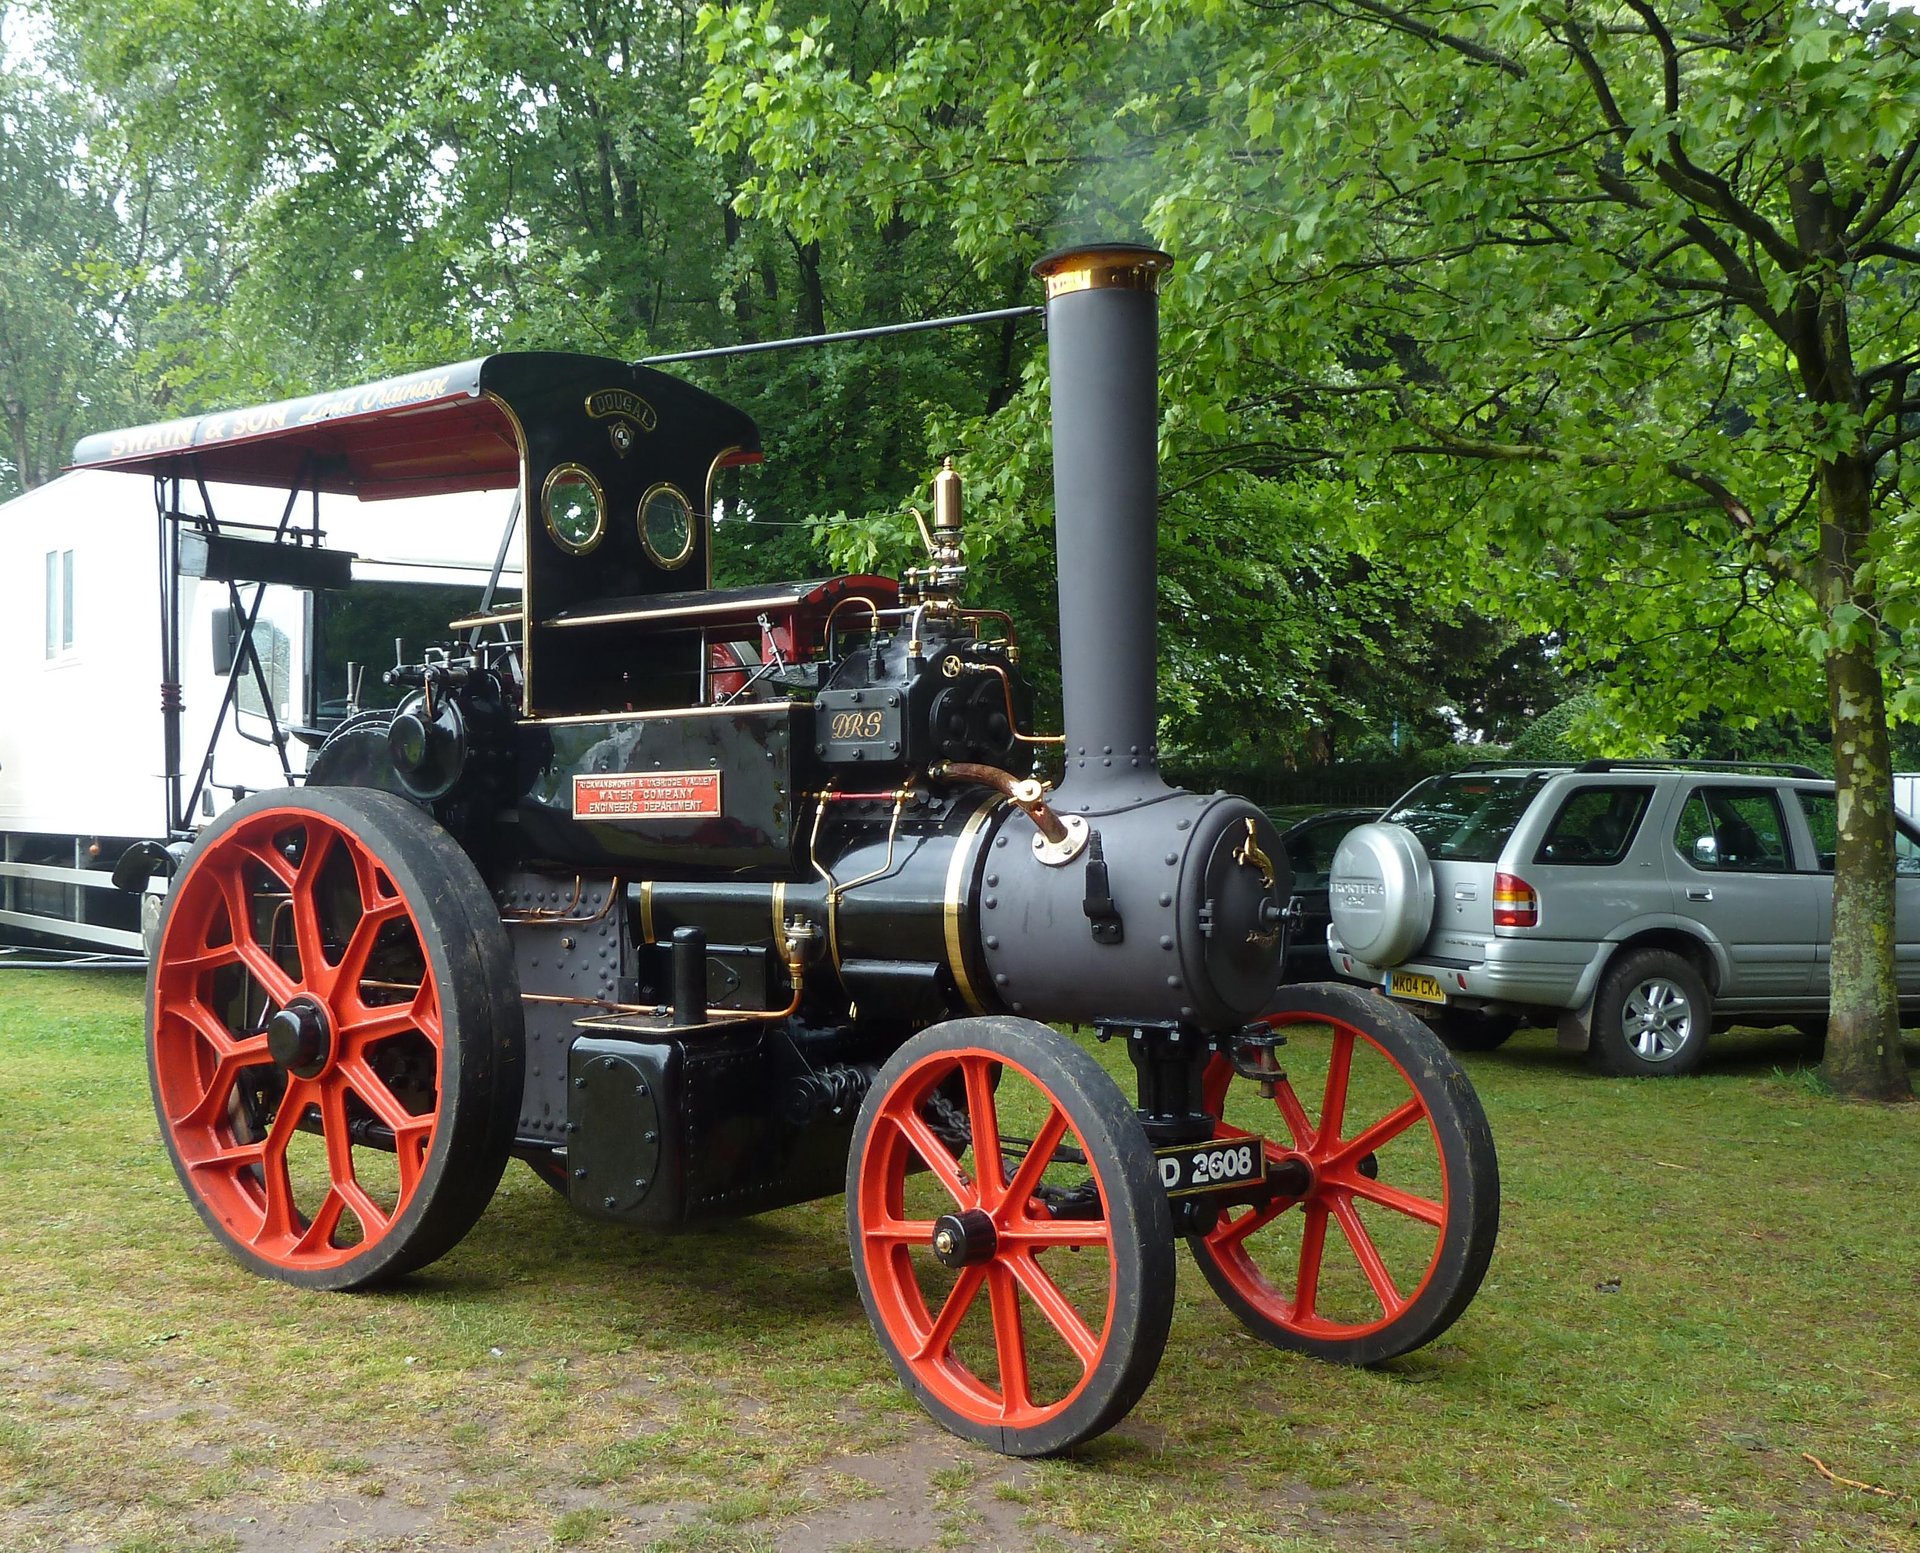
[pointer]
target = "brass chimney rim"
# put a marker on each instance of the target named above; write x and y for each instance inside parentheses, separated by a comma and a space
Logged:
(1103, 266)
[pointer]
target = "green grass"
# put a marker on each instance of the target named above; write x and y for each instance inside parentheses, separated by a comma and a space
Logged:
(1697, 1282)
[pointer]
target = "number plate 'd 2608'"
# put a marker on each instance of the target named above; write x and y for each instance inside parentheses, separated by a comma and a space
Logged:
(1218, 1165)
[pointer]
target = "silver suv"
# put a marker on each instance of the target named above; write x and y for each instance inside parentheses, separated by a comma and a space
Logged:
(1635, 905)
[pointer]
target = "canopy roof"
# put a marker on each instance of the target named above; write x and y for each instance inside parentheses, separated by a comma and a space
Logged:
(463, 427)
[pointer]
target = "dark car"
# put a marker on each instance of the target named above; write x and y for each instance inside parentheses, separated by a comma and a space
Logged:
(1310, 845)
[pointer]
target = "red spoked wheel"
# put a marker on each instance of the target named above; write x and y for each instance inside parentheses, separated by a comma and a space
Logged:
(334, 1036)
(1011, 1240)
(1383, 1197)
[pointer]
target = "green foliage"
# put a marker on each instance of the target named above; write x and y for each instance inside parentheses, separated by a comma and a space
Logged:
(1599, 311)
(1560, 733)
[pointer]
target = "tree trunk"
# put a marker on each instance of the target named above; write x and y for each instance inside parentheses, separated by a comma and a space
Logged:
(1864, 1059)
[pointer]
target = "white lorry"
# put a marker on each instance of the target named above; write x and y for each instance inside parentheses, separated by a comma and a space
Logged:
(93, 602)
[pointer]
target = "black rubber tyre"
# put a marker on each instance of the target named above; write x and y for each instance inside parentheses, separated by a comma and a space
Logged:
(1102, 1328)
(1651, 1018)
(359, 890)
(1464, 1032)
(1409, 1139)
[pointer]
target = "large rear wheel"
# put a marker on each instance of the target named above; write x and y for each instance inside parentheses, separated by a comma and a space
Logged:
(334, 1036)
(1011, 1240)
(1383, 1200)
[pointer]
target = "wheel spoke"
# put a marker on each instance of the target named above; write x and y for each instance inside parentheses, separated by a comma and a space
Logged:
(280, 1218)
(231, 1058)
(1391, 1302)
(211, 958)
(1376, 1137)
(318, 1235)
(382, 1101)
(279, 988)
(333, 1132)
(241, 1156)
(959, 1300)
(1009, 1340)
(353, 959)
(1040, 1233)
(1055, 1306)
(366, 874)
(983, 1125)
(1026, 1180)
(935, 1156)
(1425, 1209)
(425, 1010)
(1294, 1113)
(1313, 1243)
(378, 1025)
(1333, 1106)
(373, 1218)
(1255, 1218)
(307, 939)
(912, 1232)
(270, 858)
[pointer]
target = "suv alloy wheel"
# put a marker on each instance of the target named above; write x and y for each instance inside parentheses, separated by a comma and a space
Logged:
(1652, 1016)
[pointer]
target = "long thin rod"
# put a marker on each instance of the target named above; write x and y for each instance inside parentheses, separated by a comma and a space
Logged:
(874, 333)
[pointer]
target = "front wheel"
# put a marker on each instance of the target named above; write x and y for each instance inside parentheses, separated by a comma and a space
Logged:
(994, 1156)
(334, 1036)
(1383, 1196)
(1651, 1017)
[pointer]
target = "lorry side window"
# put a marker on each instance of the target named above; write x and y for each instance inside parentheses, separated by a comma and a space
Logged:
(59, 602)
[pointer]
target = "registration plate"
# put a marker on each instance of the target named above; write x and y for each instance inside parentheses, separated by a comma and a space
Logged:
(1218, 1165)
(1409, 984)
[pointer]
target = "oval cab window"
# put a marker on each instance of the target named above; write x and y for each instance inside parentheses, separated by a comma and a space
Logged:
(666, 525)
(574, 509)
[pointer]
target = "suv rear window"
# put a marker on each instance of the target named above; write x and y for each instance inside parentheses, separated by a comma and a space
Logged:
(1466, 818)
(1595, 825)
(1823, 819)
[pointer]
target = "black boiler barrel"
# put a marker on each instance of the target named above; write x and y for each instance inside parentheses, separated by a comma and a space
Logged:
(1102, 343)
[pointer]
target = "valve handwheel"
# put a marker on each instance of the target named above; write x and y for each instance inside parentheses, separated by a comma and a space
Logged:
(1385, 1192)
(1010, 1237)
(334, 1036)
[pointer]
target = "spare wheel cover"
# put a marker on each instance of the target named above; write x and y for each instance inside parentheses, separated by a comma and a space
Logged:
(1382, 893)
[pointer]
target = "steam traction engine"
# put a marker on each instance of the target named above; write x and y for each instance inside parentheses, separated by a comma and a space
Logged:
(705, 901)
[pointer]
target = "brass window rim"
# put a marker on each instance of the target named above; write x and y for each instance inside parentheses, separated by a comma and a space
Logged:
(666, 563)
(592, 541)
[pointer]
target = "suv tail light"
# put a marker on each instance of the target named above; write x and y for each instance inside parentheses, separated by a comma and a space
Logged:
(1514, 903)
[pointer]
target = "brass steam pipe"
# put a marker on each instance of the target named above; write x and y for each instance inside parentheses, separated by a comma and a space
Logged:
(1027, 794)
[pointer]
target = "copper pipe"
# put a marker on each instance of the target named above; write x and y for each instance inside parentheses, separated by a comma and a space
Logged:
(1025, 792)
(540, 918)
(606, 1003)
(978, 615)
(1006, 686)
(796, 973)
(543, 914)
(873, 609)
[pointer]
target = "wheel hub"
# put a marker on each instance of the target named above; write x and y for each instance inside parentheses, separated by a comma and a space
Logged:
(299, 1038)
(1292, 1176)
(962, 1239)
